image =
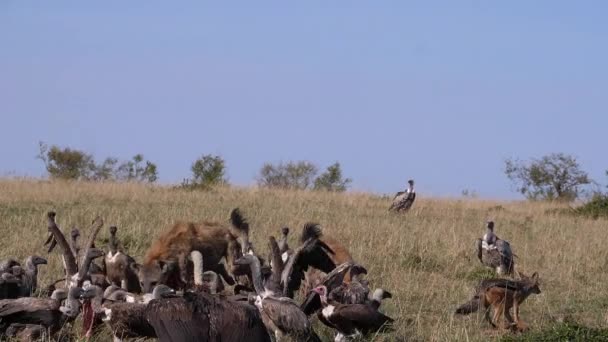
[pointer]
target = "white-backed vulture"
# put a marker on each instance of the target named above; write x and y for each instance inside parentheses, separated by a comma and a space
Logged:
(350, 320)
(404, 200)
(281, 315)
(118, 266)
(29, 279)
(495, 252)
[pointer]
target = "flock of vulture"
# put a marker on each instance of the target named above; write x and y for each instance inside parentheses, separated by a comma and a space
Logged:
(205, 281)
(200, 281)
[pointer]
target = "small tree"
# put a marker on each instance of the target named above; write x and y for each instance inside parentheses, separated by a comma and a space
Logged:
(136, 170)
(293, 175)
(331, 179)
(66, 163)
(207, 171)
(553, 177)
(106, 170)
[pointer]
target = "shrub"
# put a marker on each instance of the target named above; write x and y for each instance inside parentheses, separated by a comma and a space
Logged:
(66, 163)
(292, 175)
(70, 164)
(207, 171)
(596, 207)
(553, 177)
(136, 170)
(331, 179)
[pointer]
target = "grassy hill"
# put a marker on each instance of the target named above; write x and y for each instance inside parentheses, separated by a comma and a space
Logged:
(426, 257)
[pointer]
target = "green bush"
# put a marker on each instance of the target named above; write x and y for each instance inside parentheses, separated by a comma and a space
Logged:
(70, 164)
(331, 179)
(207, 172)
(292, 175)
(596, 207)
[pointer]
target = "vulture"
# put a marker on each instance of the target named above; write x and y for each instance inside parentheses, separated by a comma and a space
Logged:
(17, 281)
(350, 320)
(199, 316)
(26, 332)
(329, 247)
(47, 312)
(284, 249)
(6, 265)
(9, 285)
(313, 252)
(354, 292)
(29, 279)
(74, 275)
(125, 319)
(118, 266)
(375, 300)
(332, 282)
(281, 315)
(403, 200)
(494, 252)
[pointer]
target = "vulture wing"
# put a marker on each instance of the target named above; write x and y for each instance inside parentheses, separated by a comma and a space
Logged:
(287, 316)
(26, 304)
(333, 279)
(311, 253)
(363, 317)
(179, 319)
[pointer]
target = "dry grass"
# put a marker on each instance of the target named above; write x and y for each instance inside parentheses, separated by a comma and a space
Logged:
(425, 258)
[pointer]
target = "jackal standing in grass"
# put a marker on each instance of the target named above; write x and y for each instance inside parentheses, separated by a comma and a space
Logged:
(501, 295)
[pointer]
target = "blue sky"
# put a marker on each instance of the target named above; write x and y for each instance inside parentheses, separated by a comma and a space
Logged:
(438, 91)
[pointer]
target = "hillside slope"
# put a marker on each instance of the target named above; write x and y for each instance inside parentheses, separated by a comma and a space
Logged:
(426, 257)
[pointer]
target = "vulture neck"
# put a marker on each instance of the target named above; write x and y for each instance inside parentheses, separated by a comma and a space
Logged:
(212, 282)
(30, 267)
(85, 269)
(73, 304)
(113, 244)
(197, 261)
(256, 273)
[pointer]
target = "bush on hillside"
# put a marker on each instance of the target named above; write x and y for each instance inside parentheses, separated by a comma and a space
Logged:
(595, 208)
(207, 171)
(292, 175)
(555, 176)
(331, 179)
(71, 164)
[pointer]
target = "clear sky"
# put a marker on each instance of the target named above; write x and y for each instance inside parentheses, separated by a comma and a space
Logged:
(438, 91)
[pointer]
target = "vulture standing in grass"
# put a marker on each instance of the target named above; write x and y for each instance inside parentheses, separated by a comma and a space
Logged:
(284, 249)
(118, 266)
(403, 200)
(494, 252)
(29, 279)
(350, 320)
(281, 315)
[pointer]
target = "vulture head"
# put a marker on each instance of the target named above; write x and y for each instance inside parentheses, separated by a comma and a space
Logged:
(490, 225)
(37, 260)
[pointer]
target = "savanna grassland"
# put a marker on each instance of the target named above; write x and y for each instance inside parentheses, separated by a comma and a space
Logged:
(426, 257)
